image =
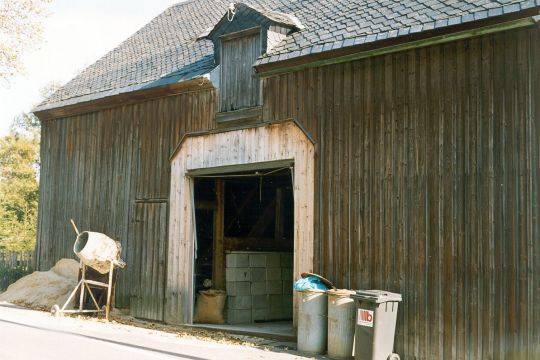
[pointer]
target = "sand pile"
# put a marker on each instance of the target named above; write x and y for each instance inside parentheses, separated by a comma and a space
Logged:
(43, 289)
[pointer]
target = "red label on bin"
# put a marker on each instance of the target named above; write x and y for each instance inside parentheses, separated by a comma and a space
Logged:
(365, 318)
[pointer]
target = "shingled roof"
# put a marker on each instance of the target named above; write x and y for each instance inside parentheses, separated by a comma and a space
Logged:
(167, 50)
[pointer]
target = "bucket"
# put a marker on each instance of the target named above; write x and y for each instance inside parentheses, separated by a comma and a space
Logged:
(312, 319)
(341, 316)
(96, 250)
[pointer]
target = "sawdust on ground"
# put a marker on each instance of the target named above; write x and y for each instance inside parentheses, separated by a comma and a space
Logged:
(43, 289)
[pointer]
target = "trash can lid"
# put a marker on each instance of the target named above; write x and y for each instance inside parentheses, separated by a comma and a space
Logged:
(376, 296)
(340, 292)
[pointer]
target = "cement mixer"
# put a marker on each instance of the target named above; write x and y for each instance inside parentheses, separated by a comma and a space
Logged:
(101, 253)
(97, 250)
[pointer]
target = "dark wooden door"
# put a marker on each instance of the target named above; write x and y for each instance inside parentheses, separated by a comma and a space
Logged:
(149, 260)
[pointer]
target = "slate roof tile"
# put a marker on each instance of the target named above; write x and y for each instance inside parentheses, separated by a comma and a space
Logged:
(166, 51)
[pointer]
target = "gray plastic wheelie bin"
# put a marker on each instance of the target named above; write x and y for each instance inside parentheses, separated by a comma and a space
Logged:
(376, 314)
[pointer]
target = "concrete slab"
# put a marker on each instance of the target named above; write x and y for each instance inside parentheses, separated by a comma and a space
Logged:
(275, 330)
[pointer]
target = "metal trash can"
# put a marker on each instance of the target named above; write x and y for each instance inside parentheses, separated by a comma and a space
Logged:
(312, 319)
(341, 311)
(376, 315)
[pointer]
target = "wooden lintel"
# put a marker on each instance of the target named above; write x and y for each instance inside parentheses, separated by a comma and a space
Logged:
(252, 113)
(257, 244)
(205, 205)
(241, 33)
(229, 169)
(218, 263)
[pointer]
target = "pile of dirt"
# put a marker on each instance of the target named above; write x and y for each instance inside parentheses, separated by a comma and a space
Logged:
(43, 289)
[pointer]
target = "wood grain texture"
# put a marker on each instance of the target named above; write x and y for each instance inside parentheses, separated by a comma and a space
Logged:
(96, 166)
(149, 263)
(425, 183)
(239, 88)
(428, 165)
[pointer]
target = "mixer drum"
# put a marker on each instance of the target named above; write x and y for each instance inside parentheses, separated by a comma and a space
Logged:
(96, 250)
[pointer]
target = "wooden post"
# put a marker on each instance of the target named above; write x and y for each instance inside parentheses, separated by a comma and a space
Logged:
(83, 279)
(109, 292)
(278, 232)
(218, 268)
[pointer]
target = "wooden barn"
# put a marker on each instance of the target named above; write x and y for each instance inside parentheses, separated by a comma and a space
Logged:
(382, 144)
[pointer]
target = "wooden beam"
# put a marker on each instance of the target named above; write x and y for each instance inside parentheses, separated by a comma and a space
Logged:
(257, 244)
(230, 169)
(252, 113)
(264, 220)
(241, 33)
(205, 205)
(75, 107)
(278, 230)
(218, 266)
(241, 209)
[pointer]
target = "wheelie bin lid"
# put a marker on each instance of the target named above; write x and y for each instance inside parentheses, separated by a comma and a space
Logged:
(376, 296)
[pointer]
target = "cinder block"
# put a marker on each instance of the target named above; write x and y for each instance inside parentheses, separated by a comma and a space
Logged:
(275, 313)
(273, 274)
(287, 301)
(259, 314)
(239, 302)
(287, 260)
(274, 287)
(229, 274)
(258, 288)
(257, 260)
(287, 287)
(275, 301)
(260, 302)
(241, 274)
(286, 274)
(273, 260)
(238, 288)
(258, 274)
(287, 312)
(236, 260)
(239, 317)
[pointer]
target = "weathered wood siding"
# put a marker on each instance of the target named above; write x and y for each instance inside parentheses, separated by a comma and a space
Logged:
(428, 186)
(96, 166)
(149, 260)
(239, 88)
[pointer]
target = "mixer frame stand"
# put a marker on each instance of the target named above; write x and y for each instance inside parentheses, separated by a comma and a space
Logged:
(84, 285)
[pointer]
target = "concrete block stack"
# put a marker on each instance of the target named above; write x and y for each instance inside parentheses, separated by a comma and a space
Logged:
(259, 286)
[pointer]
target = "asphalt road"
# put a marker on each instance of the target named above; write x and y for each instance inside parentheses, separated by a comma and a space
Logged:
(27, 334)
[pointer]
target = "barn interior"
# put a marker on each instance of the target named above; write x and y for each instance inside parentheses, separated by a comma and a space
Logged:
(245, 245)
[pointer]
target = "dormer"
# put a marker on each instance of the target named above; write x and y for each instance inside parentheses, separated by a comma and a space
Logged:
(243, 34)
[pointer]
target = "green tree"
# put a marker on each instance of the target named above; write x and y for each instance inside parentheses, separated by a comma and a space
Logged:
(20, 27)
(19, 189)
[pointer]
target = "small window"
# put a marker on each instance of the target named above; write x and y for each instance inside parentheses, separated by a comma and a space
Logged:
(239, 88)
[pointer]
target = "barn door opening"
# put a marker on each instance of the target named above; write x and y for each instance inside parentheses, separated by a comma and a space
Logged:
(245, 245)
(265, 147)
(148, 289)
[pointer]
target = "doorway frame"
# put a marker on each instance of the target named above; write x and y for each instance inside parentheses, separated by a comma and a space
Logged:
(218, 151)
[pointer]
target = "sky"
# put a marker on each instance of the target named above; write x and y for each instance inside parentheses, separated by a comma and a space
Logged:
(76, 34)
